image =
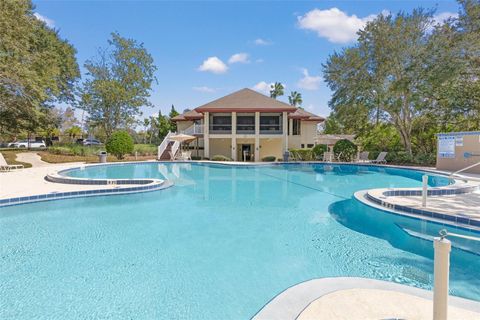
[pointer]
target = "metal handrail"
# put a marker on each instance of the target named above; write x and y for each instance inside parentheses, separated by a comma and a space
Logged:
(444, 233)
(466, 168)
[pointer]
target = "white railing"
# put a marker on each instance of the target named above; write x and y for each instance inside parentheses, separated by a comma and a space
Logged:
(174, 149)
(194, 129)
(164, 144)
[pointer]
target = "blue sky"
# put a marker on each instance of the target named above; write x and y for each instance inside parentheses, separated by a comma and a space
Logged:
(193, 42)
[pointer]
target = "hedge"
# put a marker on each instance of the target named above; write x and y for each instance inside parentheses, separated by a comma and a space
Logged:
(269, 159)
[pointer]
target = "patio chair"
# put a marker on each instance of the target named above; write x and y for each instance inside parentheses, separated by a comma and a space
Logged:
(328, 156)
(5, 167)
(380, 158)
(363, 156)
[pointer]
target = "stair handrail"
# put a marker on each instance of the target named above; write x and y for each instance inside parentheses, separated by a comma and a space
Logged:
(174, 150)
(464, 169)
(163, 145)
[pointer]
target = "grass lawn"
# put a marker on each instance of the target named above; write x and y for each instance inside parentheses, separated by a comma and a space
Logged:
(60, 158)
(10, 157)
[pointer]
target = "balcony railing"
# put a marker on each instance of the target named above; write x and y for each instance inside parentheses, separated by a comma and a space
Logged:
(271, 129)
(220, 128)
(246, 128)
(194, 129)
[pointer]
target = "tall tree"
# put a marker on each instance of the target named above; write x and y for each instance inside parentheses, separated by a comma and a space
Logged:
(295, 98)
(276, 90)
(37, 67)
(381, 72)
(119, 82)
(146, 127)
(173, 113)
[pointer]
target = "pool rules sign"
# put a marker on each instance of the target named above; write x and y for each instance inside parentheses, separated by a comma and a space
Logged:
(446, 146)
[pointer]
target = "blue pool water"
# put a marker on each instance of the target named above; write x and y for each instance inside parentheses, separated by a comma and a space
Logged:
(219, 244)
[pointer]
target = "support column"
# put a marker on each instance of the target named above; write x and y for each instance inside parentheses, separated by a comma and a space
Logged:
(285, 131)
(206, 135)
(257, 136)
(234, 136)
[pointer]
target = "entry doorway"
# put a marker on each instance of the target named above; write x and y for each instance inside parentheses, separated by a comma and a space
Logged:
(245, 152)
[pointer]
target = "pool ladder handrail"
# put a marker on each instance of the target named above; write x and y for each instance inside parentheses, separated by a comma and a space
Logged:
(464, 169)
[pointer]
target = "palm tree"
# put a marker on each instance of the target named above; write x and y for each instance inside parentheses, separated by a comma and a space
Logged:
(295, 98)
(276, 90)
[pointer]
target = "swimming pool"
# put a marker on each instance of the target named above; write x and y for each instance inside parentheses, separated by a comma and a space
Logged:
(218, 245)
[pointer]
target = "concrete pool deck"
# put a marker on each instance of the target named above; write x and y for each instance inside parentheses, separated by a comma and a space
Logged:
(359, 298)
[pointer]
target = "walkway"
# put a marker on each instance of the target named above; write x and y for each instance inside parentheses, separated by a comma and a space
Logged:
(34, 159)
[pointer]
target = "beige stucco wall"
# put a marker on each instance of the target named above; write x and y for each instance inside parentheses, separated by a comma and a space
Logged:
(182, 125)
(220, 146)
(271, 147)
(308, 133)
(471, 144)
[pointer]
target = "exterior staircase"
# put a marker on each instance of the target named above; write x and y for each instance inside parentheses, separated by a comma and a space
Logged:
(168, 148)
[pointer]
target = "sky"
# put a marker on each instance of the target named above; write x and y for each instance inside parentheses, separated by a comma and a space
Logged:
(205, 50)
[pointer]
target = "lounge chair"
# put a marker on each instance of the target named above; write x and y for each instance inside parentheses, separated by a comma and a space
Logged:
(380, 158)
(363, 156)
(4, 166)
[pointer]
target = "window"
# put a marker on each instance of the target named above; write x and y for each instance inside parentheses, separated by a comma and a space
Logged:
(245, 123)
(302, 146)
(310, 145)
(296, 127)
(221, 123)
(270, 123)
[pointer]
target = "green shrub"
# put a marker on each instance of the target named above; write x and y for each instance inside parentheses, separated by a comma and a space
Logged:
(145, 149)
(399, 157)
(303, 154)
(196, 158)
(269, 159)
(425, 159)
(345, 150)
(120, 144)
(219, 157)
(319, 150)
(61, 151)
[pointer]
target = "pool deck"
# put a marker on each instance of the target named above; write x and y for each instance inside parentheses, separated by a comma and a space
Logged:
(359, 298)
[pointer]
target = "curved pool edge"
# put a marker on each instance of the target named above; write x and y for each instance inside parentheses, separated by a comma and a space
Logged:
(111, 188)
(459, 222)
(291, 302)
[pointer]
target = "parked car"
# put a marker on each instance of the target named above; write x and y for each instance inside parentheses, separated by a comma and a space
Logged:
(26, 144)
(91, 142)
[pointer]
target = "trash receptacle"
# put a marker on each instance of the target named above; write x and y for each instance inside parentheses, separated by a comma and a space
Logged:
(286, 155)
(102, 156)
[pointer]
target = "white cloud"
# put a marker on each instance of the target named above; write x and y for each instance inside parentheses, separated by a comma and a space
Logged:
(333, 24)
(309, 82)
(49, 22)
(259, 60)
(214, 65)
(239, 58)
(444, 16)
(204, 89)
(310, 108)
(262, 42)
(262, 87)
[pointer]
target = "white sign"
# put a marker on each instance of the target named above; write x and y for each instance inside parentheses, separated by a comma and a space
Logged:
(446, 146)
(459, 141)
